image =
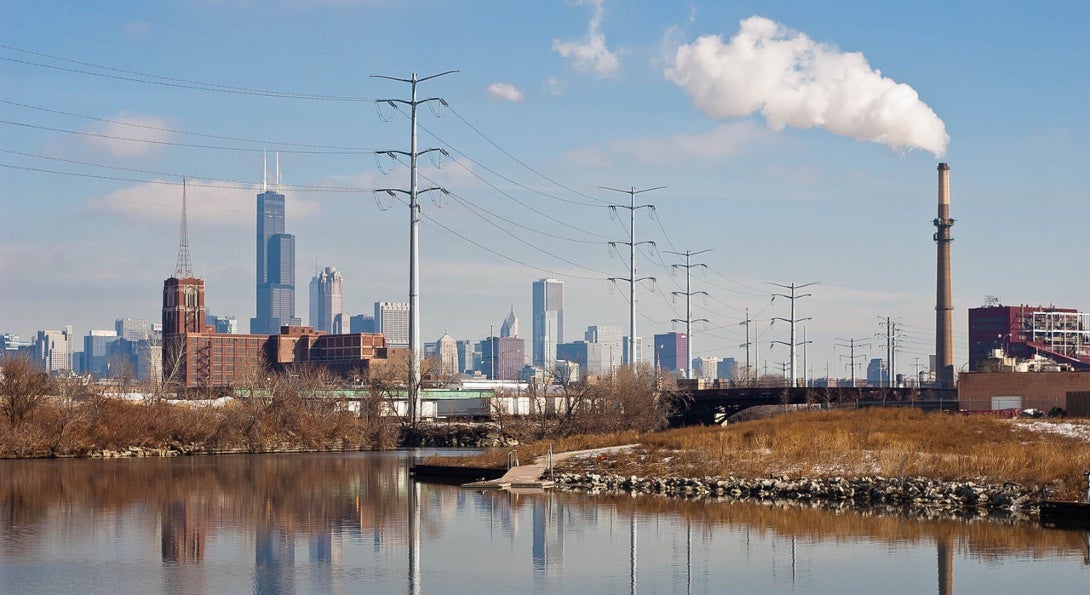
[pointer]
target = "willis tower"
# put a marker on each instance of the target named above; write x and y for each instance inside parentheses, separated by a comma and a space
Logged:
(275, 263)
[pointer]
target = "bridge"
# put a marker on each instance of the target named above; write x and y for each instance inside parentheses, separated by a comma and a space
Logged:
(707, 406)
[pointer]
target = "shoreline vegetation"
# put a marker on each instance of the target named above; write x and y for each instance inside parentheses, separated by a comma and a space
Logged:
(1026, 460)
(871, 456)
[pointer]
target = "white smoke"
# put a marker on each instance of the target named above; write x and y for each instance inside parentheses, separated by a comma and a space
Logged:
(795, 81)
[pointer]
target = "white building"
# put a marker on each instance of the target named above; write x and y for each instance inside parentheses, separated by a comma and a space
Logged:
(548, 323)
(54, 349)
(392, 320)
(447, 350)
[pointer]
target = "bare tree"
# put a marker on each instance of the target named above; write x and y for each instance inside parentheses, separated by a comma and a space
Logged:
(23, 388)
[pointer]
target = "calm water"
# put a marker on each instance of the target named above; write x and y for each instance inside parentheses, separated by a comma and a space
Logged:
(333, 523)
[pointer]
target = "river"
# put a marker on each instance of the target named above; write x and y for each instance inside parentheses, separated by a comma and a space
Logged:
(350, 523)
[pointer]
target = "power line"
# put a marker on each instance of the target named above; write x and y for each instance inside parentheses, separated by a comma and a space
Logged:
(520, 162)
(632, 243)
(268, 144)
(688, 293)
(177, 144)
(166, 81)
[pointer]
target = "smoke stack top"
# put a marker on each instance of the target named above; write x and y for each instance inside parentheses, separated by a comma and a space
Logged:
(795, 81)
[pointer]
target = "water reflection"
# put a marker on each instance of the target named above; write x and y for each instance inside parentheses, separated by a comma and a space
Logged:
(343, 523)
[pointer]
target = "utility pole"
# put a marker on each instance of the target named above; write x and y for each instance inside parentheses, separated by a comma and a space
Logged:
(632, 207)
(792, 296)
(851, 345)
(747, 344)
(414, 227)
(688, 293)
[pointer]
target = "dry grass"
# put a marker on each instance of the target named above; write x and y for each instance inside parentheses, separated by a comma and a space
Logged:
(78, 428)
(891, 443)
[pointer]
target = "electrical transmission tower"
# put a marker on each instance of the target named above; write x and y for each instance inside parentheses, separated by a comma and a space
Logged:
(851, 345)
(891, 347)
(632, 279)
(792, 296)
(414, 224)
(688, 293)
(754, 344)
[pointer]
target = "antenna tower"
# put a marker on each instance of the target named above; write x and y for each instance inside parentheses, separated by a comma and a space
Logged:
(184, 269)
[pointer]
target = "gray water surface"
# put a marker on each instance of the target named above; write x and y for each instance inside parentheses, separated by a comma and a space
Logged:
(351, 523)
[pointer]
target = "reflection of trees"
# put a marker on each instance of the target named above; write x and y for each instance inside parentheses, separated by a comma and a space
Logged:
(302, 494)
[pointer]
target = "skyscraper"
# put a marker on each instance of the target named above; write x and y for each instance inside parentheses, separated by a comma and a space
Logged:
(510, 326)
(275, 265)
(548, 311)
(326, 300)
(670, 351)
(392, 320)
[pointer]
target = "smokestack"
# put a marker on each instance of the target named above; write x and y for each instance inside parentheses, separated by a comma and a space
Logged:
(944, 306)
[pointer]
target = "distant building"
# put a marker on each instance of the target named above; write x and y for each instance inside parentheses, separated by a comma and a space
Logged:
(392, 320)
(96, 353)
(877, 374)
(1028, 332)
(54, 349)
(469, 357)
(511, 326)
(587, 355)
(132, 329)
(548, 320)
(502, 357)
(611, 339)
(362, 323)
(447, 351)
(326, 299)
(671, 350)
(706, 367)
(275, 267)
(728, 369)
(226, 325)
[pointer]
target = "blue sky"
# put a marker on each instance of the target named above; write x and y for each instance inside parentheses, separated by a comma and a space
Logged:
(553, 100)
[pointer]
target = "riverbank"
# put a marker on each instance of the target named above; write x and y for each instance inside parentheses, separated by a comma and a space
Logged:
(899, 458)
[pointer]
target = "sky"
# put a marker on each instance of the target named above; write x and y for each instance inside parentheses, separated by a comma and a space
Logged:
(796, 141)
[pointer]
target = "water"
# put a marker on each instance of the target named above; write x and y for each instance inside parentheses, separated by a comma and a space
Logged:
(348, 523)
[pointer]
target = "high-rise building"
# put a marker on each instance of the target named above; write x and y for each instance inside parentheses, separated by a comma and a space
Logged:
(447, 350)
(727, 369)
(706, 368)
(510, 326)
(132, 329)
(226, 325)
(670, 351)
(877, 373)
(361, 323)
(589, 356)
(54, 349)
(611, 338)
(275, 266)
(326, 299)
(468, 356)
(96, 352)
(548, 312)
(502, 357)
(392, 320)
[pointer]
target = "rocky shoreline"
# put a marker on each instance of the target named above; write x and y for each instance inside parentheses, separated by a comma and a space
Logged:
(913, 496)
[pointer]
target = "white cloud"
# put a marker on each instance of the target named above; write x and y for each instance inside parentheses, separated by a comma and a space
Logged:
(505, 92)
(590, 54)
(553, 86)
(129, 135)
(795, 81)
(210, 202)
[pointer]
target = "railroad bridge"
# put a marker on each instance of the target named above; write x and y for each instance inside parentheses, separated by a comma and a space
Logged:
(705, 406)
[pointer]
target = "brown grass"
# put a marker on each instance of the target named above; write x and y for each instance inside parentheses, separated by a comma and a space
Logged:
(891, 443)
(79, 428)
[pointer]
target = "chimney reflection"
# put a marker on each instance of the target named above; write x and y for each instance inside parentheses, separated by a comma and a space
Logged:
(183, 532)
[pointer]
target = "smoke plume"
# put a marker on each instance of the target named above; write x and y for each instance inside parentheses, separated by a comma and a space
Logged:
(795, 81)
